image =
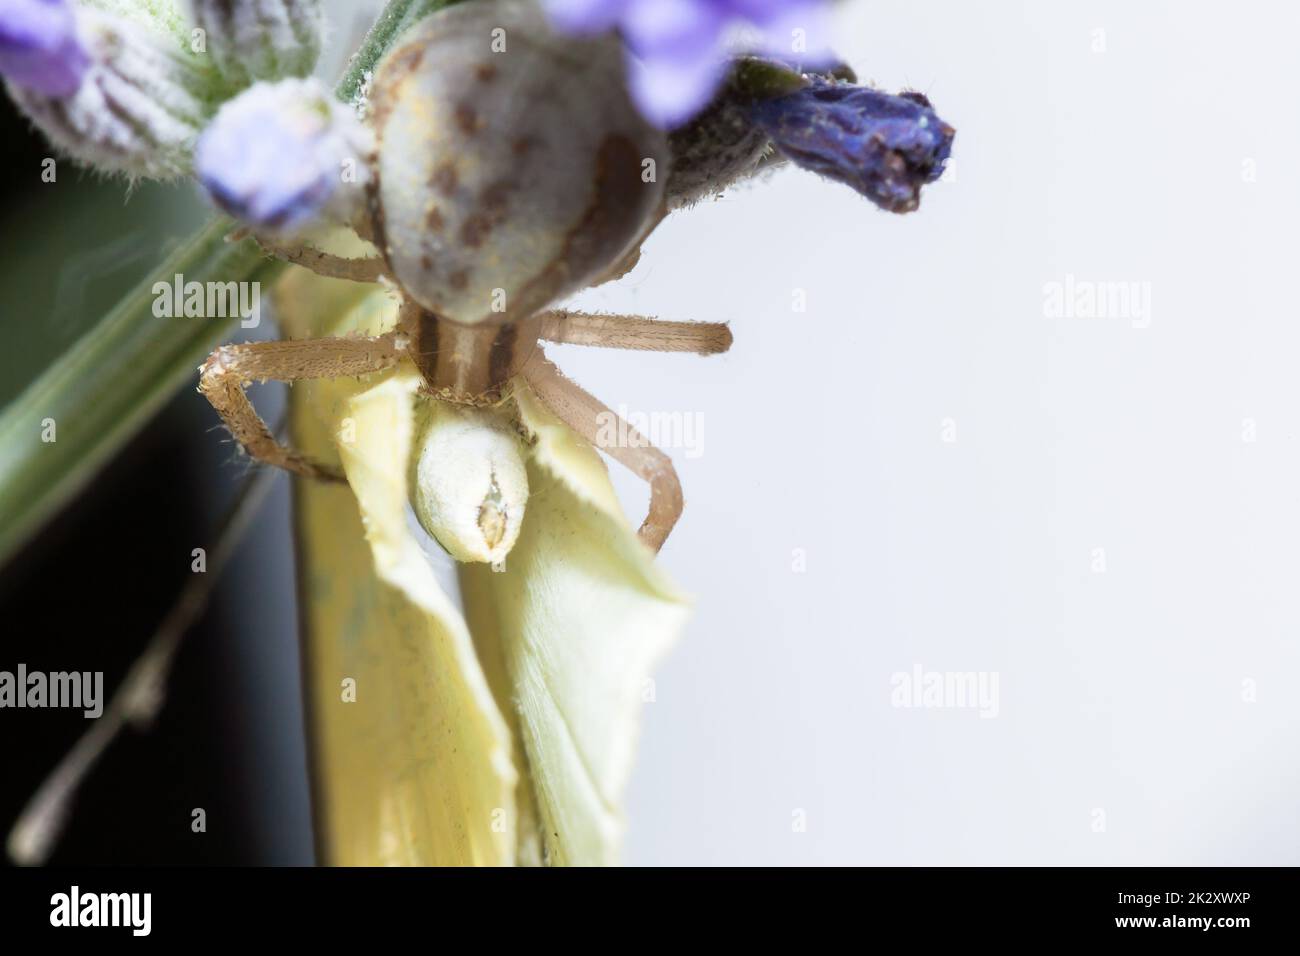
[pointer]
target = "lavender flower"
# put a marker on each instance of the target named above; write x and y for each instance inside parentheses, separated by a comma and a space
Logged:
(277, 155)
(129, 98)
(39, 48)
(678, 52)
(886, 147)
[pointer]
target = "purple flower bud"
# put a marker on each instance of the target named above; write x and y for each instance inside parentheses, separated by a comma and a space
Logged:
(281, 155)
(39, 48)
(886, 147)
(791, 31)
(678, 47)
(138, 106)
(584, 17)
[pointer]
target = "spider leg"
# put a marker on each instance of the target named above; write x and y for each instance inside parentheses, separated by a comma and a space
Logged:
(324, 263)
(583, 413)
(230, 369)
(635, 332)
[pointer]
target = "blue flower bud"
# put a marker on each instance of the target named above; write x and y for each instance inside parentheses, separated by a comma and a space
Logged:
(281, 155)
(886, 147)
(678, 48)
(39, 48)
(138, 102)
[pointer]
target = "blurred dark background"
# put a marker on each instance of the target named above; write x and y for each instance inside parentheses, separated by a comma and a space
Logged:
(89, 591)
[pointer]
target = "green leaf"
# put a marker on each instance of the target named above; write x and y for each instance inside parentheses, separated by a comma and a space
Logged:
(108, 385)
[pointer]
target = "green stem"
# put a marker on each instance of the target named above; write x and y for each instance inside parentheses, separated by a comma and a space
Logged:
(398, 15)
(105, 388)
(116, 377)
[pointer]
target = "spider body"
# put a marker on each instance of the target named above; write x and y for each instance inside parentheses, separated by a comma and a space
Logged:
(468, 364)
(510, 170)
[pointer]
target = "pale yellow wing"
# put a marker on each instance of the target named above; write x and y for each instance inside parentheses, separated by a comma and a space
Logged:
(416, 768)
(565, 640)
(582, 615)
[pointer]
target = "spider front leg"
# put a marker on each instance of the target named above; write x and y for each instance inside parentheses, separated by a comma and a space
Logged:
(326, 263)
(230, 369)
(635, 332)
(582, 412)
(317, 260)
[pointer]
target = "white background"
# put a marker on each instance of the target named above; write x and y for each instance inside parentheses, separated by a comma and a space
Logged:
(1160, 150)
(1121, 694)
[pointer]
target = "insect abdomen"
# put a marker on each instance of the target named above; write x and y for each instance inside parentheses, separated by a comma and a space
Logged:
(512, 168)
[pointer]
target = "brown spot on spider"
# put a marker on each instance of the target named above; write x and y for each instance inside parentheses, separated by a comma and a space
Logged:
(467, 119)
(485, 72)
(494, 196)
(475, 230)
(445, 179)
(433, 219)
(491, 212)
(459, 279)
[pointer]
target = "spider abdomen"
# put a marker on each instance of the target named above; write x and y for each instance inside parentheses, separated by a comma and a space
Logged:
(511, 167)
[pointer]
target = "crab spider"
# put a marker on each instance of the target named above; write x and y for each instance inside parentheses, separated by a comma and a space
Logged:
(499, 183)
(473, 369)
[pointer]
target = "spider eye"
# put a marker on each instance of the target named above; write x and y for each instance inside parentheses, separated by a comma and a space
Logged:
(512, 169)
